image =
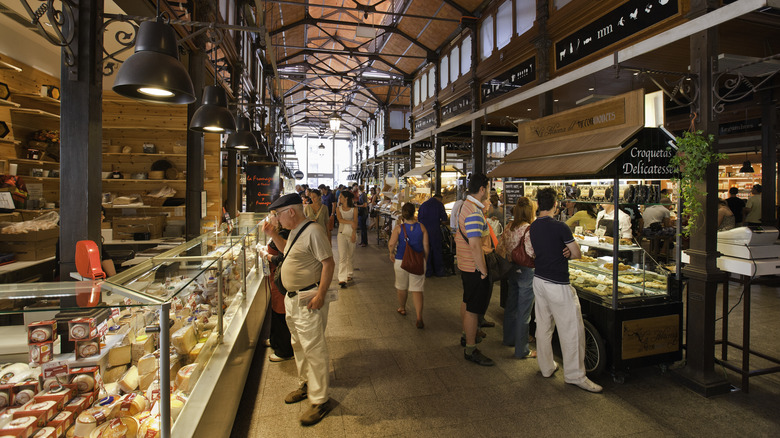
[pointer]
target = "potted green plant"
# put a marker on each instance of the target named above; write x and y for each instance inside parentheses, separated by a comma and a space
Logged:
(694, 154)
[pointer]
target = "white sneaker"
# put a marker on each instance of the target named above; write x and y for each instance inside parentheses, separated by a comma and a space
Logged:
(588, 385)
(274, 358)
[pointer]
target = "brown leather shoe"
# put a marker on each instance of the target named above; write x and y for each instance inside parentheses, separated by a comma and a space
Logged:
(299, 394)
(316, 413)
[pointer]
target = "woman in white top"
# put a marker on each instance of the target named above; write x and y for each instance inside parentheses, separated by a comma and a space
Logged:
(606, 217)
(348, 217)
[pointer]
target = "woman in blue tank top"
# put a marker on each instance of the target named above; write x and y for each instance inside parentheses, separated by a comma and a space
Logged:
(405, 282)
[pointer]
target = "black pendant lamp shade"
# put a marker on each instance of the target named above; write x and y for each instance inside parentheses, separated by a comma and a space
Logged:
(213, 114)
(154, 73)
(746, 167)
(243, 138)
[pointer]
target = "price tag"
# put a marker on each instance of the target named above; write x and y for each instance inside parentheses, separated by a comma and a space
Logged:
(58, 368)
(578, 229)
(602, 288)
(601, 231)
(584, 248)
(601, 277)
(579, 280)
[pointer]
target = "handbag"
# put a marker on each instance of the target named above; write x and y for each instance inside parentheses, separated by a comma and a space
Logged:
(331, 222)
(278, 272)
(498, 267)
(413, 261)
(520, 256)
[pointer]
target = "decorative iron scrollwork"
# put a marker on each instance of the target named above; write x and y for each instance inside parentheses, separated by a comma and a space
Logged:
(732, 85)
(61, 21)
(682, 90)
(124, 36)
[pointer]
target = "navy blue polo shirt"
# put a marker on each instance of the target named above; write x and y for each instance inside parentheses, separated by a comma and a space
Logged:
(549, 237)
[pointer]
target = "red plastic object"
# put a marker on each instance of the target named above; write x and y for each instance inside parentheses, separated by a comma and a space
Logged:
(88, 260)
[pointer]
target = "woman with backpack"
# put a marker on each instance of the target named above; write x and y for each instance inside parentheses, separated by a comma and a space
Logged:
(520, 297)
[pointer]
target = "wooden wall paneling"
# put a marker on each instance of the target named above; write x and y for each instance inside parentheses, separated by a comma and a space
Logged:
(213, 176)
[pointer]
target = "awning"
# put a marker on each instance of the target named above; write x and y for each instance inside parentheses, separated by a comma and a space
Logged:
(425, 170)
(585, 154)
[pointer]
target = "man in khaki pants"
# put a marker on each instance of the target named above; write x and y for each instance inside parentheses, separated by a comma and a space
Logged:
(307, 270)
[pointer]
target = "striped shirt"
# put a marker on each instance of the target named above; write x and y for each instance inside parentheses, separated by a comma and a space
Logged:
(471, 221)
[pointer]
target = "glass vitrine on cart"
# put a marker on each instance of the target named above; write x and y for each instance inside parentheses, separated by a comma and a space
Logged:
(630, 298)
(210, 289)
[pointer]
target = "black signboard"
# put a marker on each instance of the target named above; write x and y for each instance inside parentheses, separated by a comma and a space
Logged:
(627, 19)
(263, 186)
(424, 122)
(512, 192)
(648, 157)
(739, 127)
(458, 106)
(520, 75)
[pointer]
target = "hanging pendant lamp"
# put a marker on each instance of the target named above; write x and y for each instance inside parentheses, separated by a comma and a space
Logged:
(213, 114)
(243, 138)
(154, 73)
(746, 167)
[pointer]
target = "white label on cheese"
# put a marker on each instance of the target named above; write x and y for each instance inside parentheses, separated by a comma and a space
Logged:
(578, 229)
(601, 287)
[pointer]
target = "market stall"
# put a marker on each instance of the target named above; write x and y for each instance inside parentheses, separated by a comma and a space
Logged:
(630, 302)
(419, 183)
(98, 352)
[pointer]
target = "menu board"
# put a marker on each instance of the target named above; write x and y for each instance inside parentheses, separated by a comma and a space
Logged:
(512, 192)
(263, 186)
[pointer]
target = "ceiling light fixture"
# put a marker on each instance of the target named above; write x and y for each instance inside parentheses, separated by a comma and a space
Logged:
(746, 166)
(321, 146)
(335, 122)
(154, 73)
(243, 138)
(213, 114)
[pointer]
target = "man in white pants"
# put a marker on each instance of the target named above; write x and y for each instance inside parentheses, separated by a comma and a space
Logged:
(556, 301)
(306, 271)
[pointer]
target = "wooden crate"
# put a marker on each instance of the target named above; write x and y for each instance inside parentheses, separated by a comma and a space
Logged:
(126, 227)
(36, 245)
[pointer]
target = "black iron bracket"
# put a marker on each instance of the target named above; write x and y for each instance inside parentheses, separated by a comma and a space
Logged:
(731, 85)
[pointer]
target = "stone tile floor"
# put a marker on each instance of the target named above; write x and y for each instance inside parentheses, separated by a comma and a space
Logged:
(391, 379)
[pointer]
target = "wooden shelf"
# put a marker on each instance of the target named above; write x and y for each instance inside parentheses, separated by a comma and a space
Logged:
(34, 162)
(4, 102)
(161, 156)
(35, 112)
(38, 98)
(6, 66)
(40, 178)
(147, 127)
(145, 180)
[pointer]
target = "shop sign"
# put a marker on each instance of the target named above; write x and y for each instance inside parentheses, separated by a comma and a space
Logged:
(394, 143)
(651, 336)
(622, 22)
(646, 161)
(458, 106)
(604, 114)
(739, 127)
(512, 192)
(424, 122)
(263, 186)
(520, 75)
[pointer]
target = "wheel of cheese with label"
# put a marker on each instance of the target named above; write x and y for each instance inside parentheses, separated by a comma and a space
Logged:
(40, 334)
(46, 432)
(89, 349)
(126, 427)
(84, 383)
(5, 399)
(150, 428)
(24, 396)
(79, 331)
(22, 422)
(132, 404)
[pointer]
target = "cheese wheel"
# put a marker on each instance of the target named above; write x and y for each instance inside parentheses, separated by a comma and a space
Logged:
(111, 388)
(184, 339)
(52, 384)
(5, 399)
(40, 334)
(150, 428)
(24, 396)
(46, 432)
(84, 383)
(79, 331)
(22, 422)
(88, 349)
(129, 382)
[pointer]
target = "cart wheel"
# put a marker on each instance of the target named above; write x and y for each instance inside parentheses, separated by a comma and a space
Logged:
(619, 378)
(595, 352)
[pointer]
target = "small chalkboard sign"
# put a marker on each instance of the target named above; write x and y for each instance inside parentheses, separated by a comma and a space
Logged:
(263, 186)
(512, 192)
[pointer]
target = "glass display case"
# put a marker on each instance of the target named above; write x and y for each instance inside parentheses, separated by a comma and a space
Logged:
(110, 331)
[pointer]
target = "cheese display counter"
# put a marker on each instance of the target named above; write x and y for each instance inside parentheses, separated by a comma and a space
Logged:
(419, 184)
(101, 354)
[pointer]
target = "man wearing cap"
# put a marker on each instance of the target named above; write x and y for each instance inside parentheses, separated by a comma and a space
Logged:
(308, 266)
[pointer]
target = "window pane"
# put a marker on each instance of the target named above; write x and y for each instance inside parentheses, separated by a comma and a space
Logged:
(444, 70)
(423, 88)
(526, 14)
(416, 92)
(431, 83)
(504, 24)
(486, 43)
(465, 58)
(454, 64)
